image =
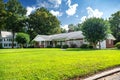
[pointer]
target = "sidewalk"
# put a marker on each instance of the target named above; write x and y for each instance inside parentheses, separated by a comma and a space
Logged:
(113, 74)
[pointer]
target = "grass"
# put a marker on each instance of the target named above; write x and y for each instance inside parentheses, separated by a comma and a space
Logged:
(54, 64)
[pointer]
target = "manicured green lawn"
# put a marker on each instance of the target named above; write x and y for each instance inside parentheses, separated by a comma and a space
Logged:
(54, 64)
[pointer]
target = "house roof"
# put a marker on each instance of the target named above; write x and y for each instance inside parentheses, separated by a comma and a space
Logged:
(65, 36)
(60, 37)
(42, 38)
(6, 34)
(110, 36)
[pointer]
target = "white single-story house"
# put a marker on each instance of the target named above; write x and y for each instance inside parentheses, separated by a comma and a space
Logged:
(70, 38)
(6, 40)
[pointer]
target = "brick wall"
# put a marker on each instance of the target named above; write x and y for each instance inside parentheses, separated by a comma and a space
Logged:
(109, 43)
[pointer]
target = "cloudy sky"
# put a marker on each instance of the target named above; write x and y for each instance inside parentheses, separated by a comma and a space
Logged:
(74, 11)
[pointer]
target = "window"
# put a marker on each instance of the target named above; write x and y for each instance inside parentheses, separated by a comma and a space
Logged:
(5, 44)
(10, 39)
(10, 44)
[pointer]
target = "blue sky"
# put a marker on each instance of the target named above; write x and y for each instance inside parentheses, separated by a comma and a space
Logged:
(74, 11)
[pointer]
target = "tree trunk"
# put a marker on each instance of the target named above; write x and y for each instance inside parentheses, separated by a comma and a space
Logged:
(94, 45)
(99, 45)
(13, 35)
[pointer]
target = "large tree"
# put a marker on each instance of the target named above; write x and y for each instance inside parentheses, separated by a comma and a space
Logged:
(115, 25)
(95, 30)
(2, 14)
(43, 22)
(15, 17)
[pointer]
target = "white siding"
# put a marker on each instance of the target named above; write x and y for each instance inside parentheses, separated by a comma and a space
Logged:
(103, 44)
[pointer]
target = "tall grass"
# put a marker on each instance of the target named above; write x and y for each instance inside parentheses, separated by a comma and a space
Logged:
(54, 64)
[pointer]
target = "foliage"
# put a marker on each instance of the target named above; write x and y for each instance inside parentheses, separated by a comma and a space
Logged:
(65, 46)
(63, 30)
(22, 38)
(72, 27)
(115, 25)
(90, 46)
(58, 46)
(49, 46)
(54, 64)
(73, 45)
(84, 46)
(117, 45)
(43, 22)
(1, 46)
(2, 14)
(95, 30)
(15, 17)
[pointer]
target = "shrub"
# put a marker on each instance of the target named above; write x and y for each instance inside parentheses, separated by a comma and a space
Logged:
(49, 46)
(65, 46)
(84, 46)
(90, 46)
(73, 46)
(1, 46)
(117, 45)
(30, 46)
(58, 46)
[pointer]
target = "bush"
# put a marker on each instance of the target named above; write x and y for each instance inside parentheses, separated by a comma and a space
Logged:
(58, 46)
(90, 46)
(117, 45)
(49, 46)
(84, 46)
(1, 46)
(30, 47)
(73, 46)
(65, 46)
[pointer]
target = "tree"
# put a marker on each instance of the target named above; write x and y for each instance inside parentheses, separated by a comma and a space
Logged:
(63, 30)
(2, 14)
(95, 30)
(43, 22)
(22, 39)
(115, 25)
(15, 17)
(73, 27)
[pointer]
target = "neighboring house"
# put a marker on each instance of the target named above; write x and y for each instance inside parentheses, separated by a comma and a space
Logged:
(6, 40)
(69, 39)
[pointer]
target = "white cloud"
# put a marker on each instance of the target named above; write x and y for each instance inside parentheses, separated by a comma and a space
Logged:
(56, 13)
(83, 19)
(65, 27)
(69, 2)
(92, 13)
(30, 10)
(56, 2)
(72, 10)
(49, 3)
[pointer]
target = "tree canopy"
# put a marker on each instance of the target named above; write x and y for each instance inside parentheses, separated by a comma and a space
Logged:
(115, 25)
(95, 30)
(15, 17)
(22, 39)
(43, 22)
(2, 14)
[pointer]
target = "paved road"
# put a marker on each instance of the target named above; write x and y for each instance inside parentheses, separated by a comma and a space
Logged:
(115, 76)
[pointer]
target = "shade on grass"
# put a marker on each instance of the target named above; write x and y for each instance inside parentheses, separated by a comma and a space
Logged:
(54, 64)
